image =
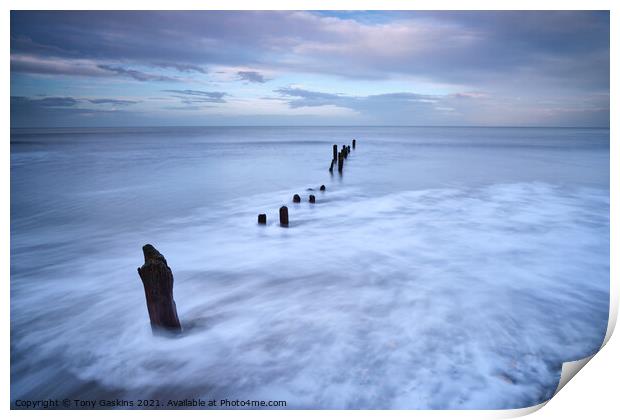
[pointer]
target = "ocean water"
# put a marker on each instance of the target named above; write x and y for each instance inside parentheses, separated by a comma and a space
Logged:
(446, 268)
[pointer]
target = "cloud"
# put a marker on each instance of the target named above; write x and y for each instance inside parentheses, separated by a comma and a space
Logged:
(251, 76)
(115, 102)
(448, 47)
(21, 63)
(189, 96)
(51, 101)
(56, 112)
(137, 75)
(308, 98)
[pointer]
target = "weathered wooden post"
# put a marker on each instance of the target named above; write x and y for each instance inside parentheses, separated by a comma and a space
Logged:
(312, 198)
(322, 188)
(340, 162)
(353, 143)
(158, 283)
(335, 152)
(331, 166)
(262, 219)
(344, 151)
(284, 216)
(296, 198)
(348, 149)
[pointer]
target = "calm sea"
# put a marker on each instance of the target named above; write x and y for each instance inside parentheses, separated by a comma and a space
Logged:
(446, 268)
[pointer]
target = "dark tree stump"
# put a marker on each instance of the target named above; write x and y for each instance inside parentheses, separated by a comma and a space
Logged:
(262, 219)
(322, 188)
(284, 216)
(158, 282)
(296, 198)
(312, 198)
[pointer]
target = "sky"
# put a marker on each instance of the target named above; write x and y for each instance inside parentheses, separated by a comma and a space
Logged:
(147, 68)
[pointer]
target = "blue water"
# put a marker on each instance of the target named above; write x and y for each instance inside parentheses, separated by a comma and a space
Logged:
(447, 268)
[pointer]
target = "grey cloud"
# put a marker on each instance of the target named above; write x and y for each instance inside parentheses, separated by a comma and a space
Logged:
(56, 112)
(298, 98)
(137, 75)
(454, 47)
(189, 96)
(116, 102)
(251, 76)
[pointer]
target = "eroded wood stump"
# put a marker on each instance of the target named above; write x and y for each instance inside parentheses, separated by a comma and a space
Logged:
(284, 216)
(158, 282)
(262, 219)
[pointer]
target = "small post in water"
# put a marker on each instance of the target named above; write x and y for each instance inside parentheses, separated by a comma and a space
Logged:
(284, 216)
(353, 143)
(312, 199)
(335, 152)
(158, 282)
(322, 188)
(262, 219)
(296, 198)
(340, 161)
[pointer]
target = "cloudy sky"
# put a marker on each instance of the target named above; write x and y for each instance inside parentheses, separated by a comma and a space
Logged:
(309, 68)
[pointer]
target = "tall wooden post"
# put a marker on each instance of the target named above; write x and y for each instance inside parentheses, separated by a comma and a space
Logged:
(158, 283)
(335, 147)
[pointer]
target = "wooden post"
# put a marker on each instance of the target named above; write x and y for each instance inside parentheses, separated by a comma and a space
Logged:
(322, 188)
(354, 143)
(296, 198)
(331, 166)
(312, 198)
(335, 152)
(262, 219)
(158, 283)
(284, 216)
(348, 149)
(340, 162)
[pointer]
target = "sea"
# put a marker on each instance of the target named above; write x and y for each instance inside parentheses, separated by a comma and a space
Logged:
(445, 268)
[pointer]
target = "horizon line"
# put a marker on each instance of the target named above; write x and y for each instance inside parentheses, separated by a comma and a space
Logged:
(309, 126)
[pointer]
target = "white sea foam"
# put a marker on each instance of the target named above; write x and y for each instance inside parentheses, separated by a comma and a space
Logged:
(444, 297)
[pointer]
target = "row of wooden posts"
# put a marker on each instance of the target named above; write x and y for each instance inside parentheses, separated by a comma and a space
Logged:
(338, 158)
(157, 277)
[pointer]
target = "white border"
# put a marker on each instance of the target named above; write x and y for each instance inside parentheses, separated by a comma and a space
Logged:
(592, 395)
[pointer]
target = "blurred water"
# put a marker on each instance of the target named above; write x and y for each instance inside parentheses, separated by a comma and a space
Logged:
(448, 267)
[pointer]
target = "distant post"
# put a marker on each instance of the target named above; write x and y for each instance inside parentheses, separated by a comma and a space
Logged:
(312, 198)
(353, 143)
(158, 283)
(284, 216)
(335, 152)
(262, 219)
(296, 198)
(340, 161)
(322, 188)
